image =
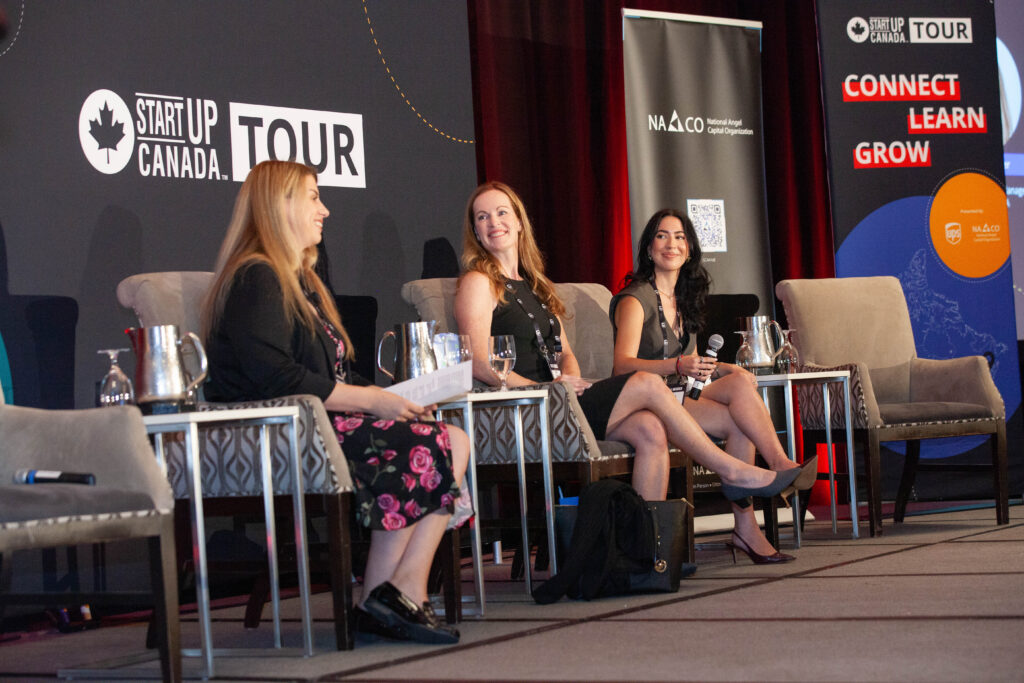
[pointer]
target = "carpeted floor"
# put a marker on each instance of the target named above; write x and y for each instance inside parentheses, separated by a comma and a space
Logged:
(938, 598)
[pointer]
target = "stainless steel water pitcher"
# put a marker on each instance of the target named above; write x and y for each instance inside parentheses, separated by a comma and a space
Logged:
(414, 350)
(759, 337)
(160, 374)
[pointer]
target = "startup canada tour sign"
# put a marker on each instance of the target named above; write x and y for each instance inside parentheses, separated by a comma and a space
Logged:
(916, 174)
(172, 136)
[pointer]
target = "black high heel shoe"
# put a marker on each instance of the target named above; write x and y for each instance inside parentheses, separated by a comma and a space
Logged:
(782, 482)
(739, 544)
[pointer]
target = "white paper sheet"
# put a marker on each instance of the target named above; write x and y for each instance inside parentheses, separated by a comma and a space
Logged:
(438, 386)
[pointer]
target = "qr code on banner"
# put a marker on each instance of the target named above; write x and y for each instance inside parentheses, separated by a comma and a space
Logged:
(708, 216)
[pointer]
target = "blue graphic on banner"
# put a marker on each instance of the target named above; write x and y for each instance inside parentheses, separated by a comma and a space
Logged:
(951, 315)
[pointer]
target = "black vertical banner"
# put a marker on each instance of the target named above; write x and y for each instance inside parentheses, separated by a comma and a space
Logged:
(916, 175)
(694, 138)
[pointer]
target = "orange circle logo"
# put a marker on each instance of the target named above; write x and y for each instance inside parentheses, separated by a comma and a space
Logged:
(969, 225)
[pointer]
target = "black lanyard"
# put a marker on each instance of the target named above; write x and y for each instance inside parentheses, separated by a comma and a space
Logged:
(663, 322)
(552, 320)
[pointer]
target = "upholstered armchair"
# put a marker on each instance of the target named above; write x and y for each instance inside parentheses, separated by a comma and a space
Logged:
(130, 500)
(229, 454)
(863, 325)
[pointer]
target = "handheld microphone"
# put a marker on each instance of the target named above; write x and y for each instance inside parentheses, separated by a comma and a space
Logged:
(53, 477)
(715, 342)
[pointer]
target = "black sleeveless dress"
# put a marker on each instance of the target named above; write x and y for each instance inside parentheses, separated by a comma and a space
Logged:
(510, 318)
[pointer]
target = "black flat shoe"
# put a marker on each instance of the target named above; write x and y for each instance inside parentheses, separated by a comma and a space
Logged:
(367, 623)
(782, 481)
(393, 608)
(428, 610)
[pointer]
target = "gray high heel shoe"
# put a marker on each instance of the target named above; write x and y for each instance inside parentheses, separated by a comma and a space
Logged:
(782, 481)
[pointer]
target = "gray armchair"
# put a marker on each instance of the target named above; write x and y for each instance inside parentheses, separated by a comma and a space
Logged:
(229, 454)
(131, 499)
(863, 325)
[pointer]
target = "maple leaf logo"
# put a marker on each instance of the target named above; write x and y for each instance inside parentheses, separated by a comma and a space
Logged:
(858, 28)
(106, 131)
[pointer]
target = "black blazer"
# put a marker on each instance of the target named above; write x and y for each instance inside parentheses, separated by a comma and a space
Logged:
(256, 353)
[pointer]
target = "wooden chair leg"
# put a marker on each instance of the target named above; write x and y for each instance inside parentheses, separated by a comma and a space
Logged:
(1001, 483)
(164, 580)
(907, 479)
(258, 597)
(450, 554)
(339, 549)
(770, 510)
(873, 471)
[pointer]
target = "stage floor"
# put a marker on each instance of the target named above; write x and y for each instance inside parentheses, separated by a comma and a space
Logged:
(937, 598)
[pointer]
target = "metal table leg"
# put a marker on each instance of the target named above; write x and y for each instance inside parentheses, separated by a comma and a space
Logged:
(549, 489)
(299, 516)
(849, 458)
(199, 549)
(521, 458)
(791, 442)
(827, 402)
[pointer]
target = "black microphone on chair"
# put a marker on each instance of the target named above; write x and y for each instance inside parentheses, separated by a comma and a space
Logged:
(715, 342)
(53, 477)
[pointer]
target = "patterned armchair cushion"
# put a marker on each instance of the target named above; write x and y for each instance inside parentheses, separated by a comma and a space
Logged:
(230, 453)
(812, 404)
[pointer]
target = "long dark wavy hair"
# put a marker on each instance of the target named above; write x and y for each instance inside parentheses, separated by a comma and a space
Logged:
(694, 281)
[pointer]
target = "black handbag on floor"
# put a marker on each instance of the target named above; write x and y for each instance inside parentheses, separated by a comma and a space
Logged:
(615, 543)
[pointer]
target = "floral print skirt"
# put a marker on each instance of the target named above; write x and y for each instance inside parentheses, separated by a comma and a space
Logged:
(401, 470)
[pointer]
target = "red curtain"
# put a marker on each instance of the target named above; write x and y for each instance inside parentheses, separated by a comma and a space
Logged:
(550, 122)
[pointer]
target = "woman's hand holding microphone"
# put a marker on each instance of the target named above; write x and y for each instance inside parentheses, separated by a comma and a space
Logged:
(697, 367)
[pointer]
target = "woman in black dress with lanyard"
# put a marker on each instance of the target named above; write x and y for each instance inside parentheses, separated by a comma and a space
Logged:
(656, 318)
(272, 329)
(504, 291)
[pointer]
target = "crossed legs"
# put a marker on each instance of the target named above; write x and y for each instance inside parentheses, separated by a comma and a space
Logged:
(647, 393)
(656, 419)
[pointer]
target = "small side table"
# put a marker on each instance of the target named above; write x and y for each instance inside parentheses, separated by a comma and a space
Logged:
(787, 380)
(189, 424)
(517, 399)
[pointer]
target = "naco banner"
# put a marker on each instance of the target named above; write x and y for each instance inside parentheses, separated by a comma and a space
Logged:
(694, 138)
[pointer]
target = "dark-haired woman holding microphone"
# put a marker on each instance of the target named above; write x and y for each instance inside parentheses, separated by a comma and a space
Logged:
(656, 318)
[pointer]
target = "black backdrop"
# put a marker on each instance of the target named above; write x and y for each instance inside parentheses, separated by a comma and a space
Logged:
(69, 233)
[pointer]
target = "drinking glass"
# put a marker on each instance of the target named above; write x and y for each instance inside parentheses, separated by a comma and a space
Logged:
(115, 389)
(465, 348)
(788, 359)
(745, 354)
(502, 355)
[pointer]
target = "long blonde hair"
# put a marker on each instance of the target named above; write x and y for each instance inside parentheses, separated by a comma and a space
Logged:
(531, 262)
(261, 231)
